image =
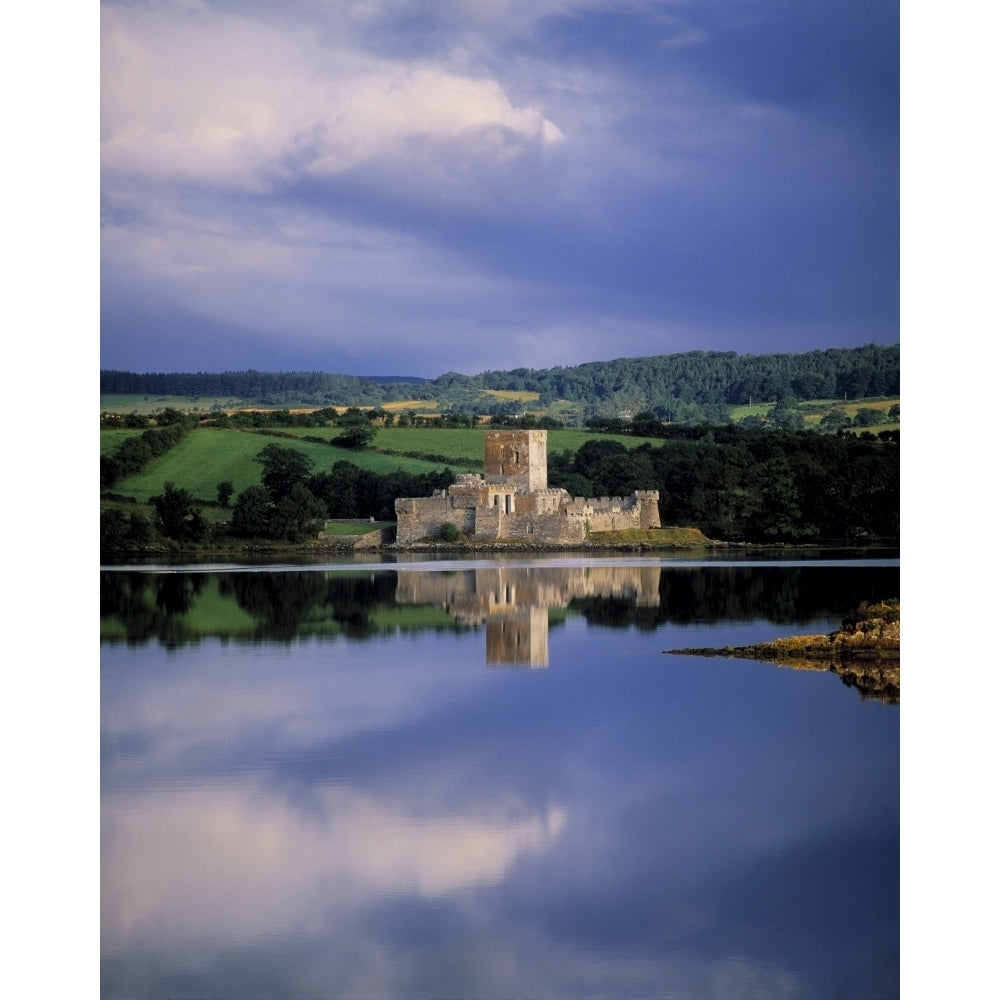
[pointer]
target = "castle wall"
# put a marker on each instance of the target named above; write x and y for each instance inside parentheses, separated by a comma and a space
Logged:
(512, 501)
(638, 510)
(423, 517)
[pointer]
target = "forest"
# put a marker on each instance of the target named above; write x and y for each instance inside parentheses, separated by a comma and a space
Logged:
(692, 387)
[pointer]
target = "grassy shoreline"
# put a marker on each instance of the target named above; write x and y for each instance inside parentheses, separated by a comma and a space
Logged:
(342, 540)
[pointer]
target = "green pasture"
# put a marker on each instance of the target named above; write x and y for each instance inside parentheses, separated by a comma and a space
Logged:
(462, 448)
(452, 442)
(111, 439)
(756, 410)
(343, 528)
(115, 403)
(456, 443)
(572, 439)
(209, 456)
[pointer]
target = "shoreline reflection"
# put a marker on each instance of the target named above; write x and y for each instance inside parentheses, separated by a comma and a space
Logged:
(182, 608)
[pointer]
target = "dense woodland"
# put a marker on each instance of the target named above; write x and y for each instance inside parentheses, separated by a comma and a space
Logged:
(693, 387)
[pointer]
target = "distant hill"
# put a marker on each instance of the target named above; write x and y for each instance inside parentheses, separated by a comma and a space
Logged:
(688, 387)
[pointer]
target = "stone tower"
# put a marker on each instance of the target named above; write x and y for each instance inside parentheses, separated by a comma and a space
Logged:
(517, 459)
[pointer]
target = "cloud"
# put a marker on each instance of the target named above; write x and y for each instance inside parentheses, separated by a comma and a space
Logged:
(219, 99)
(195, 852)
(240, 862)
(451, 184)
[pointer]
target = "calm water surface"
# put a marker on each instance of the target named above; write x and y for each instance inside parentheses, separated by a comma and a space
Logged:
(464, 779)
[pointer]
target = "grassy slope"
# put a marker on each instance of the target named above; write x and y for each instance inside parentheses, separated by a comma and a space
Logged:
(110, 440)
(469, 441)
(154, 404)
(207, 457)
(462, 446)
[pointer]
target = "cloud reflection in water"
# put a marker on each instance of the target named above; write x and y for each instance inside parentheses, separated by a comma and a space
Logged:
(394, 817)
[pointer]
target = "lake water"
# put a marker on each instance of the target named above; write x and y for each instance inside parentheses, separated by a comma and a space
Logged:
(483, 780)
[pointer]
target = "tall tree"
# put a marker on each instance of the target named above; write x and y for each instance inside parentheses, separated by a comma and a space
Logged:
(252, 513)
(177, 515)
(283, 469)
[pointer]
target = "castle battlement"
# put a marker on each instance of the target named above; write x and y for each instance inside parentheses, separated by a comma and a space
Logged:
(512, 500)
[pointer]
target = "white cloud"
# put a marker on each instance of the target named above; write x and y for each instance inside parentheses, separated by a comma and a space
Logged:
(219, 99)
(211, 866)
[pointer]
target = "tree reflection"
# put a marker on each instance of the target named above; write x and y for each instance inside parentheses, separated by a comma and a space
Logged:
(140, 607)
(175, 608)
(151, 606)
(781, 594)
(176, 592)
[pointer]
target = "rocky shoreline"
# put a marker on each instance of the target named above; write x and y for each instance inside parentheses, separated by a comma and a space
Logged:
(864, 651)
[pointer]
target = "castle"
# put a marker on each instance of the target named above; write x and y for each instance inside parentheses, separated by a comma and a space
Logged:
(512, 501)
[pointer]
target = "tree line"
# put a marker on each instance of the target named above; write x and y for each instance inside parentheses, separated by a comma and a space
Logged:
(711, 377)
(691, 387)
(738, 484)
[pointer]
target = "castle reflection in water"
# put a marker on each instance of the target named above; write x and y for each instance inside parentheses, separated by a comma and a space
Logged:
(513, 602)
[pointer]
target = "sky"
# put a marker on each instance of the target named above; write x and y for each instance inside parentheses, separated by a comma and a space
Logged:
(396, 187)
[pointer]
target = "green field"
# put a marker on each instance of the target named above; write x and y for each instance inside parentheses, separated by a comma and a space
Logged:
(341, 529)
(111, 439)
(154, 404)
(207, 457)
(461, 447)
(455, 442)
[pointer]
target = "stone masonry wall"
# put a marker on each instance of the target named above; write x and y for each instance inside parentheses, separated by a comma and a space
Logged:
(518, 459)
(512, 501)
